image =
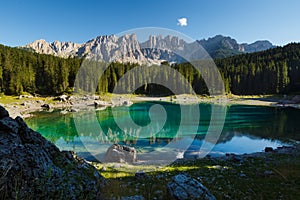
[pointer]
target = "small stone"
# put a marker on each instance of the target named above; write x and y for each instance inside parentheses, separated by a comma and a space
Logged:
(158, 192)
(268, 173)
(127, 103)
(62, 98)
(74, 110)
(136, 197)
(46, 106)
(242, 175)
(101, 104)
(269, 149)
(26, 104)
(159, 176)
(237, 158)
(140, 174)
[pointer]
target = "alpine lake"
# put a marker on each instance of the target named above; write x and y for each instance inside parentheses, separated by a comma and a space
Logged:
(167, 131)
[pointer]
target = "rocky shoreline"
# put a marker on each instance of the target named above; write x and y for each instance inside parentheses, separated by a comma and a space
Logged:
(24, 105)
(33, 168)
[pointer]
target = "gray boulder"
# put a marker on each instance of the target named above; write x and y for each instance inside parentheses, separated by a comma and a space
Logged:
(120, 154)
(183, 187)
(62, 98)
(101, 104)
(33, 168)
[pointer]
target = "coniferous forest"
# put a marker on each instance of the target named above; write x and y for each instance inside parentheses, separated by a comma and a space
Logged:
(275, 71)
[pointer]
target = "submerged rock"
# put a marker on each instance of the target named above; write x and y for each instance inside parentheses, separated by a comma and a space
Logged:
(120, 154)
(32, 167)
(185, 187)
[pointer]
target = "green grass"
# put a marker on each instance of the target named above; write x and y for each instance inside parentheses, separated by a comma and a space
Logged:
(9, 99)
(13, 100)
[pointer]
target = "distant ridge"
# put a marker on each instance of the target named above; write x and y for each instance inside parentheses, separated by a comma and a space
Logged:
(156, 49)
(221, 46)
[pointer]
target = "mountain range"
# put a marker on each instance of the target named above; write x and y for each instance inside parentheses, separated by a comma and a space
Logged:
(156, 49)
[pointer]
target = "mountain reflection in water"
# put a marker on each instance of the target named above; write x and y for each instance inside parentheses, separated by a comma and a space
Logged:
(246, 129)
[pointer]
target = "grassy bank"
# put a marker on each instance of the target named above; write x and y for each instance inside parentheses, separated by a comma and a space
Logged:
(257, 176)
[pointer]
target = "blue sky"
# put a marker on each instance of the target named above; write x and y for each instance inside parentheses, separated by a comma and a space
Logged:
(23, 21)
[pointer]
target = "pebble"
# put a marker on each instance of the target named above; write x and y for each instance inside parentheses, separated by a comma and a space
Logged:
(268, 173)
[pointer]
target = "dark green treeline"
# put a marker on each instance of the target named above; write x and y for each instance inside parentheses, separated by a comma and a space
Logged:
(275, 71)
(24, 71)
(269, 72)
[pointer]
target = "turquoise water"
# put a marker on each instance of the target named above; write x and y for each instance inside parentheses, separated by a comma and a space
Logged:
(177, 130)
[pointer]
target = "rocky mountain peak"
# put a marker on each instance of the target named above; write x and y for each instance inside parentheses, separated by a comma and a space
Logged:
(156, 49)
(259, 45)
(220, 41)
(62, 49)
(164, 43)
(41, 46)
(125, 48)
(222, 46)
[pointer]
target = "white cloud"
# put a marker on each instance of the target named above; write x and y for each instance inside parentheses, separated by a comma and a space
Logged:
(182, 21)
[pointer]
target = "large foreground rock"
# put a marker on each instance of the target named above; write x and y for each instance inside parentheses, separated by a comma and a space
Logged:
(120, 154)
(33, 168)
(185, 187)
